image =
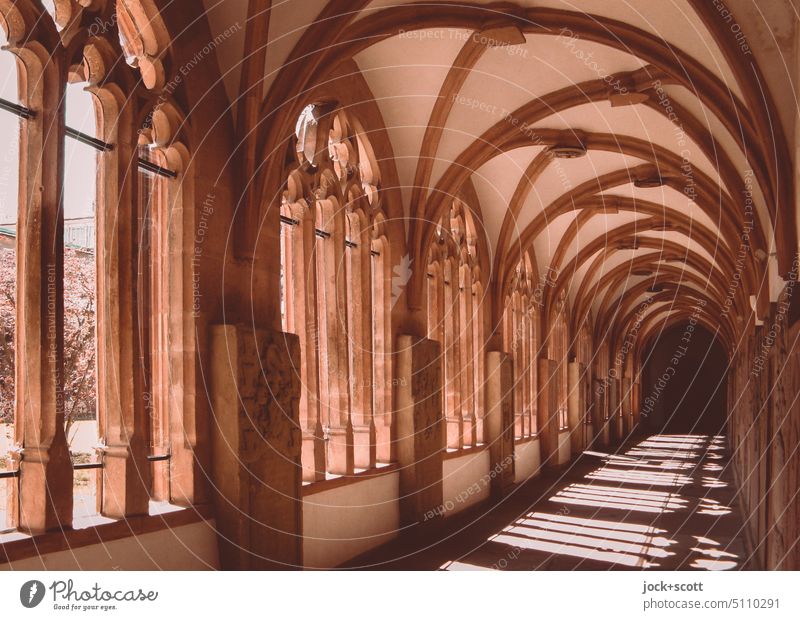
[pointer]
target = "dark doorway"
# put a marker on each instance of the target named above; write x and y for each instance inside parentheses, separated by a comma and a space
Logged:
(684, 382)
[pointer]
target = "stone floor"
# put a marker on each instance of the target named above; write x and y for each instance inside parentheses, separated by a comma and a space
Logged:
(663, 502)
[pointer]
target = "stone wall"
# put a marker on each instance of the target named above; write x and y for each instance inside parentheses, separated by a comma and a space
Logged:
(764, 433)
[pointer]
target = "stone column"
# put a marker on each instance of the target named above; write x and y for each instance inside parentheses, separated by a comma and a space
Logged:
(614, 418)
(359, 338)
(547, 411)
(636, 395)
(304, 299)
(576, 407)
(45, 484)
(452, 359)
(626, 406)
(420, 428)
(598, 413)
(466, 362)
(619, 410)
(122, 418)
(500, 419)
(256, 447)
(334, 371)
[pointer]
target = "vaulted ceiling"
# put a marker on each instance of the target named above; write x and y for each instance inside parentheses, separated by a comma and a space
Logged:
(628, 147)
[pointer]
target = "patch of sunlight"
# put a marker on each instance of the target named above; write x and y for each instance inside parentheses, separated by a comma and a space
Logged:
(599, 532)
(611, 557)
(606, 525)
(455, 565)
(713, 564)
(591, 542)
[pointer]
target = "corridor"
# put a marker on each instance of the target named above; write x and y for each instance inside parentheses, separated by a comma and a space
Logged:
(663, 502)
(400, 284)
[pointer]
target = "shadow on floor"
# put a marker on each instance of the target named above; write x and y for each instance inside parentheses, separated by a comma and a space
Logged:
(666, 502)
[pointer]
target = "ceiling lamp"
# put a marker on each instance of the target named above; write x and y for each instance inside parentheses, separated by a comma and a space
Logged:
(619, 98)
(622, 90)
(564, 151)
(499, 33)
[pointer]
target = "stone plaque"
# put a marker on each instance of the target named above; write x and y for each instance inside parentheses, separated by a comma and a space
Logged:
(500, 419)
(420, 428)
(257, 442)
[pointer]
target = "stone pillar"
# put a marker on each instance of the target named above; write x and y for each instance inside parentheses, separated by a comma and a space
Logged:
(612, 394)
(359, 337)
(500, 419)
(45, 484)
(452, 358)
(598, 411)
(547, 411)
(303, 297)
(576, 407)
(122, 417)
(626, 405)
(466, 363)
(256, 447)
(588, 427)
(636, 395)
(334, 371)
(420, 428)
(620, 419)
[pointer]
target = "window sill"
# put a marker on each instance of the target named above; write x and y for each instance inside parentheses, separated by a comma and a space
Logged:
(334, 481)
(454, 453)
(98, 530)
(527, 439)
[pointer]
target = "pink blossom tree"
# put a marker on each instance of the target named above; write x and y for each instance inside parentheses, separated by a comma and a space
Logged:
(80, 382)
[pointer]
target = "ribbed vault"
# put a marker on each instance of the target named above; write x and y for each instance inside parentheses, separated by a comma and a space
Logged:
(626, 155)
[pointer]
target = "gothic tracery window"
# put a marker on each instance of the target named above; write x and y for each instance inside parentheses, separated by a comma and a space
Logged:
(455, 320)
(9, 205)
(80, 294)
(559, 351)
(521, 340)
(335, 295)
